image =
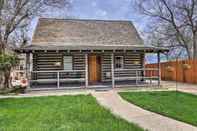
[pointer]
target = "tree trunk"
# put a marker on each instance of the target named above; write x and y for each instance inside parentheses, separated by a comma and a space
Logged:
(2, 47)
(1, 80)
(189, 54)
(7, 79)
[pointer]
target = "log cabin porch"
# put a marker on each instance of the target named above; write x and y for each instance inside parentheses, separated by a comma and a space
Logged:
(75, 53)
(89, 69)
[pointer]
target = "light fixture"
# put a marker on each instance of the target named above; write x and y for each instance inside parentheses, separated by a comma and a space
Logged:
(136, 62)
(57, 64)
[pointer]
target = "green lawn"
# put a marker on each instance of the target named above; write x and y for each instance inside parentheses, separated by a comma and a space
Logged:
(180, 106)
(59, 113)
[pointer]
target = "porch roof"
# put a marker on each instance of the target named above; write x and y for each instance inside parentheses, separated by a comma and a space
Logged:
(114, 48)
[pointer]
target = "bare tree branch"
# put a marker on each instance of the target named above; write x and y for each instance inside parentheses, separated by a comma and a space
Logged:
(16, 14)
(175, 22)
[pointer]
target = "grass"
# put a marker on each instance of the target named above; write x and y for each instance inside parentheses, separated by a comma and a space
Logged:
(59, 113)
(177, 105)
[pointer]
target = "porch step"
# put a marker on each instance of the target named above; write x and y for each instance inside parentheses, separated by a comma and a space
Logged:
(55, 88)
(103, 89)
(98, 88)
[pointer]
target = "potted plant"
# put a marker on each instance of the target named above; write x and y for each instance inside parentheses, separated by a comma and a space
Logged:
(169, 68)
(186, 66)
(24, 84)
(19, 85)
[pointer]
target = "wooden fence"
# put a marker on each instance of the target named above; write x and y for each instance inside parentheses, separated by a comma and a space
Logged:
(180, 70)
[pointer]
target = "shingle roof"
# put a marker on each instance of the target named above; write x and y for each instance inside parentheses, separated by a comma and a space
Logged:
(78, 34)
(75, 33)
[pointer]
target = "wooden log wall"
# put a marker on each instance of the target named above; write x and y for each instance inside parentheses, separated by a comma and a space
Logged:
(46, 62)
(78, 62)
(106, 67)
(131, 61)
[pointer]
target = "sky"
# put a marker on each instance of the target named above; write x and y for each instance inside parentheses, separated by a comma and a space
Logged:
(107, 9)
(101, 9)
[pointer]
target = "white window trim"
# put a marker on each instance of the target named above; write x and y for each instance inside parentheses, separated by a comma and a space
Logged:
(122, 62)
(71, 63)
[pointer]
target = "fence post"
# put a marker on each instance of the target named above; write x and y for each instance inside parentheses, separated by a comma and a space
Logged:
(151, 75)
(159, 72)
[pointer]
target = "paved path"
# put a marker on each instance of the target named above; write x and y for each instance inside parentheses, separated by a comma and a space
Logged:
(188, 90)
(184, 87)
(139, 116)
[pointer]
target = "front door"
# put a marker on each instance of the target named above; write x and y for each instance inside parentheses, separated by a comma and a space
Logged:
(94, 71)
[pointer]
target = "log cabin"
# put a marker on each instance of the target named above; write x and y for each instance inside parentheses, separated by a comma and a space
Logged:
(77, 53)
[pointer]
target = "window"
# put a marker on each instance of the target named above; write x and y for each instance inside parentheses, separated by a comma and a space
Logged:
(119, 62)
(68, 63)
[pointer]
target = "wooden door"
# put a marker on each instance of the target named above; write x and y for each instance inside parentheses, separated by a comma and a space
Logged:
(94, 71)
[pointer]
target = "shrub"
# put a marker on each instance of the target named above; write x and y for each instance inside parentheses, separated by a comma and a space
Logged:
(7, 62)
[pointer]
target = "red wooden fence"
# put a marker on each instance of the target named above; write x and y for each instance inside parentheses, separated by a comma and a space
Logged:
(180, 70)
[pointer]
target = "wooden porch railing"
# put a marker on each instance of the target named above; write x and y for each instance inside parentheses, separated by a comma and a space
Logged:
(57, 76)
(138, 74)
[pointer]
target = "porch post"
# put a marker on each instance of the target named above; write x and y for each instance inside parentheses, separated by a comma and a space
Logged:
(86, 70)
(158, 66)
(112, 70)
(136, 77)
(28, 68)
(31, 62)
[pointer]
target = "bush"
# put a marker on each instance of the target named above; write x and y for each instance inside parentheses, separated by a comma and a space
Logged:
(7, 62)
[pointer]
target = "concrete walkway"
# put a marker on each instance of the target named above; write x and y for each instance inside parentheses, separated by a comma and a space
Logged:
(139, 116)
(188, 88)
(183, 87)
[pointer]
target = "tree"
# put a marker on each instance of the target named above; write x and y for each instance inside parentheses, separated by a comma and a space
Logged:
(15, 16)
(174, 22)
(7, 62)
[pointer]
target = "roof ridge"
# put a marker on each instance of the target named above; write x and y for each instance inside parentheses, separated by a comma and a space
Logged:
(76, 19)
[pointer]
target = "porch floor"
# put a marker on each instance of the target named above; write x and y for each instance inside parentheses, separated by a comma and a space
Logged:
(100, 85)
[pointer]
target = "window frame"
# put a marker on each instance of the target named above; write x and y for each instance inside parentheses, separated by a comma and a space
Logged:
(122, 62)
(71, 62)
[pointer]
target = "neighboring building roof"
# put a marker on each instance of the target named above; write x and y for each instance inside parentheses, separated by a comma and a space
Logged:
(84, 34)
